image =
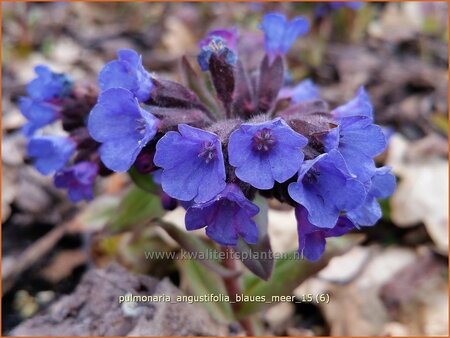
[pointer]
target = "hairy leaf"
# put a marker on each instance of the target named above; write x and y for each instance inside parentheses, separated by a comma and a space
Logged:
(261, 265)
(289, 274)
(137, 208)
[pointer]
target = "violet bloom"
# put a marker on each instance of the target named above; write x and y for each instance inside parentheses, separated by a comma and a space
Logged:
(226, 217)
(48, 85)
(38, 113)
(355, 5)
(78, 180)
(230, 37)
(304, 91)
(127, 72)
(358, 140)
(266, 152)
(192, 163)
(40, 107)
(217, 45)
(382, 185)
(325, 8)
(312, 239)
(122, 126)
(280, 34)
(50, 153)
(360, 105)
(325, 187)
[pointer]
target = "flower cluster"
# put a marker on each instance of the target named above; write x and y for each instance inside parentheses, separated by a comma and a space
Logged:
(42, 105)
(213, 153)
(71, 157)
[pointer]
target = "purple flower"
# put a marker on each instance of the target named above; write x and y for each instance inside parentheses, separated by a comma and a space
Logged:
(78, 180)
(48, 85)
(230, 37)
(325, 187)
(44, 92)
(311, 239)
(350, 4)
(50, 153)
(280, 33)
(360, 105)
(192, 163)
(266, 152)
(38, 113)
(217, 45)
(122, 126)
(324, 8)
(304, 91)
(127, 72)
(358, 140)
(382, 185)
(226, 217)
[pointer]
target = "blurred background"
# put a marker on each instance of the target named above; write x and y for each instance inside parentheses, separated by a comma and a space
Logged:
(394, 282)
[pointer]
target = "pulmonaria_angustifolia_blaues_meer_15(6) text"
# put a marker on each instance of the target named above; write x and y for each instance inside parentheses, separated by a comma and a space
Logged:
(237, 130)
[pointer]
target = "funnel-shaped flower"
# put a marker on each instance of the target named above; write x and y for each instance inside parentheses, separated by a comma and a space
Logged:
(266, 152)
(78, 180)
(226, 217)
(127, 72)
(325, 187)
(230, 36)
(311, 239)
(358, 140)
(280, 33)
(39, 114)
(192, 163)
(50, 153)
(122, 126)
(48, 85)
(382, 185)
(217, 45)
(360, 105)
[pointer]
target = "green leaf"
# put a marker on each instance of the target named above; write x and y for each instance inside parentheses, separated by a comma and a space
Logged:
(98, 212)
(197, 85)
(200, 282)
(197, 246)
(262, 264)
(137, 208)
(288, 274)
(143, 181)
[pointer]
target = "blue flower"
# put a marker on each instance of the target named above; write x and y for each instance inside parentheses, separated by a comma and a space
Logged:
(192, 163)
(325, 8)
(49, 85)
(382, 185)
(78, 180)
(127, 72)
(40, 107)
(311, 239)
(122, 126)
(230, 37)
(266, 152)
(50, 153)
(358, 140)
(325, 187)
(280, 33)
(360, 105)
(304, 91)
(355, 5)
(217, 45)
(38, 113)
(226, 217)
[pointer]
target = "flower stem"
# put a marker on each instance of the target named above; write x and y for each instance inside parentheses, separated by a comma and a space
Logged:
(233, 287)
